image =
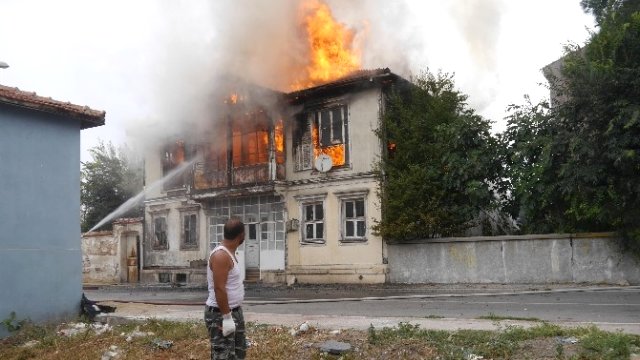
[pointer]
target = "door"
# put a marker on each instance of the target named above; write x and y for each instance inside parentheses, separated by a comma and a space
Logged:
(251, 247)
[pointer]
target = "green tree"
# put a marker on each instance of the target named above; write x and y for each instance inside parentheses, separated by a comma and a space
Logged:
(581, 167)
(107, 181)
(534, 154)
(442, 171)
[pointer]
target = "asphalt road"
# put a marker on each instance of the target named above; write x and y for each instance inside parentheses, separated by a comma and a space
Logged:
(611, 305)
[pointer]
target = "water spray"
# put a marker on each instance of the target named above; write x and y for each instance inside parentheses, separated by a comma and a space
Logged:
(133, 201)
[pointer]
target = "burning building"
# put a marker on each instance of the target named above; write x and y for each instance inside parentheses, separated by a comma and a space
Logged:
(296, 166)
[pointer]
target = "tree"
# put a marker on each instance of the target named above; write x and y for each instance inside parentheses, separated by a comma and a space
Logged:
(586, 172)
(107, 181)
(441, 172)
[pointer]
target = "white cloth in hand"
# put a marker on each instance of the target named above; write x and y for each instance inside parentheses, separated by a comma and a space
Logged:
(228, 326)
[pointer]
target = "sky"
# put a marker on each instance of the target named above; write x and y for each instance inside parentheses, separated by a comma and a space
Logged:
(149, 63)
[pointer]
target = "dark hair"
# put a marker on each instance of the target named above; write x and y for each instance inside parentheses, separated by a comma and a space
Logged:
(232, 228)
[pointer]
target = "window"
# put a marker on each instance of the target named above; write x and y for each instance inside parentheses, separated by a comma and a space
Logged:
(189, 234)
(265, 212)
(353, 216)
(312, 214)
(354, 221)
(313, 229)
(174, 155)
(160, 233)
(250, 139)
(323, 131)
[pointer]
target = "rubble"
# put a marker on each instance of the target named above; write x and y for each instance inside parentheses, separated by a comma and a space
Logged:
(335, 347)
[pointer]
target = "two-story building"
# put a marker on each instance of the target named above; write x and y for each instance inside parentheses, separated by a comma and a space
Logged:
(297, 168)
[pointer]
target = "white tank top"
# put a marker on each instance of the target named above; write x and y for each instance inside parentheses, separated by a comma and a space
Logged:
(235, 288)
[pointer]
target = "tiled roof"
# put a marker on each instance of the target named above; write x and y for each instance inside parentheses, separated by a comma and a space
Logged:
(14, 96)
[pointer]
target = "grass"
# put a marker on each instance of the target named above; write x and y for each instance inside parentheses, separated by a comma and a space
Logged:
(405, 341)
(495, 317)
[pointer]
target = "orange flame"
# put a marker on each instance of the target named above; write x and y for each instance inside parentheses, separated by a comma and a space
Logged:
(335, 152)
(331, 46)
(279, 141)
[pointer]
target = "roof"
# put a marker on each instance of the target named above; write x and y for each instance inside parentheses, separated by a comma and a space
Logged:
(88, 117)
(359, 78)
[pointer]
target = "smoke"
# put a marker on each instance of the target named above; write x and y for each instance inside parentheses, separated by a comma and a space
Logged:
(207, 46)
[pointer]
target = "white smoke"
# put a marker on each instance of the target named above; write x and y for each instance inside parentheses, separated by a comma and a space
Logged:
(261, 41)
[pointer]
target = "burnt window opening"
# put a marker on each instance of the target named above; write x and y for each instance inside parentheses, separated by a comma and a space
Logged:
(174, 155)
(278, 137)
(164, 277)
(323, 131)
(250, 139)
(189, 231)
(160, 240)
(181, 278)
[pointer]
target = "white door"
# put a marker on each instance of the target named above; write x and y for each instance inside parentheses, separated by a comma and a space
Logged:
(252, 246)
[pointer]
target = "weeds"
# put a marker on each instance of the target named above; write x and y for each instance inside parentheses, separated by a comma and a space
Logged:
(495, 317)
(405, 341)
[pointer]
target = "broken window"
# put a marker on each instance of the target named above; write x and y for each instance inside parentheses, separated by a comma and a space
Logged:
(323, 131)
(160, 233)
(189, 231)
(173, 156)
(250, 139)
(279, 141)
(212, 171)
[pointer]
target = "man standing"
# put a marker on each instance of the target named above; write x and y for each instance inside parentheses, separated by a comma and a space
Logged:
(223, 312)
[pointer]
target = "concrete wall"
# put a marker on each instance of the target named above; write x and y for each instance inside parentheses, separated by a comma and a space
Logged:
(40, 255)
(551, 258)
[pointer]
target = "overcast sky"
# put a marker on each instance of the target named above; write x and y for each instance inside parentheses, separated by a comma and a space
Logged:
(143, 60)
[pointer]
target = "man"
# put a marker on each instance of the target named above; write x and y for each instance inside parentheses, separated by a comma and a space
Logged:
(223, 314)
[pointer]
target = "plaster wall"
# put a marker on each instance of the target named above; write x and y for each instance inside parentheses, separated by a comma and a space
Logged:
(364, 145)
(334, 261)
(40, 254)
(550, 258)
(173, 255)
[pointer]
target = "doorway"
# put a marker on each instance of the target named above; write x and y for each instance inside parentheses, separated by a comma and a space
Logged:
(252, 247)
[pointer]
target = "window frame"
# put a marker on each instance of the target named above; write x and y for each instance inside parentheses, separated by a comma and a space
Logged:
(191, 212)
(155, 242)
(312, 200)
(353, 196)
(311, 119)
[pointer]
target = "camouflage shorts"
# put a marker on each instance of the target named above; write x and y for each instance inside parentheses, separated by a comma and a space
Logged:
(231, 347)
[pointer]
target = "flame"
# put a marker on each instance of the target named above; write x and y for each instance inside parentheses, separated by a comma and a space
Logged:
(331, 46)
(179, 152)
(279, 141)
(335, 152)
(232, 99)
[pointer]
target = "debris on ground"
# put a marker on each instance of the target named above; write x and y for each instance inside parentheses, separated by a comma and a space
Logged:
(112, 353)
(567, 340)
(77, 328)
(334, 347)
(162, 344)
(90, 308)
(30, 344)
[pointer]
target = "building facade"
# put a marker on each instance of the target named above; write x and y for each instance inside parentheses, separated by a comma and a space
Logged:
(297, 168)
(40, 252)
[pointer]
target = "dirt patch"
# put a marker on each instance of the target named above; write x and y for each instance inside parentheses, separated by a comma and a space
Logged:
(545, 349)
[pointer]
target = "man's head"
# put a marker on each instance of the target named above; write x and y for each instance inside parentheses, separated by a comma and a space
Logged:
(234, 230)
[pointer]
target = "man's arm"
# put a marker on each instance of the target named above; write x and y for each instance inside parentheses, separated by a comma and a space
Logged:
(221, 264)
